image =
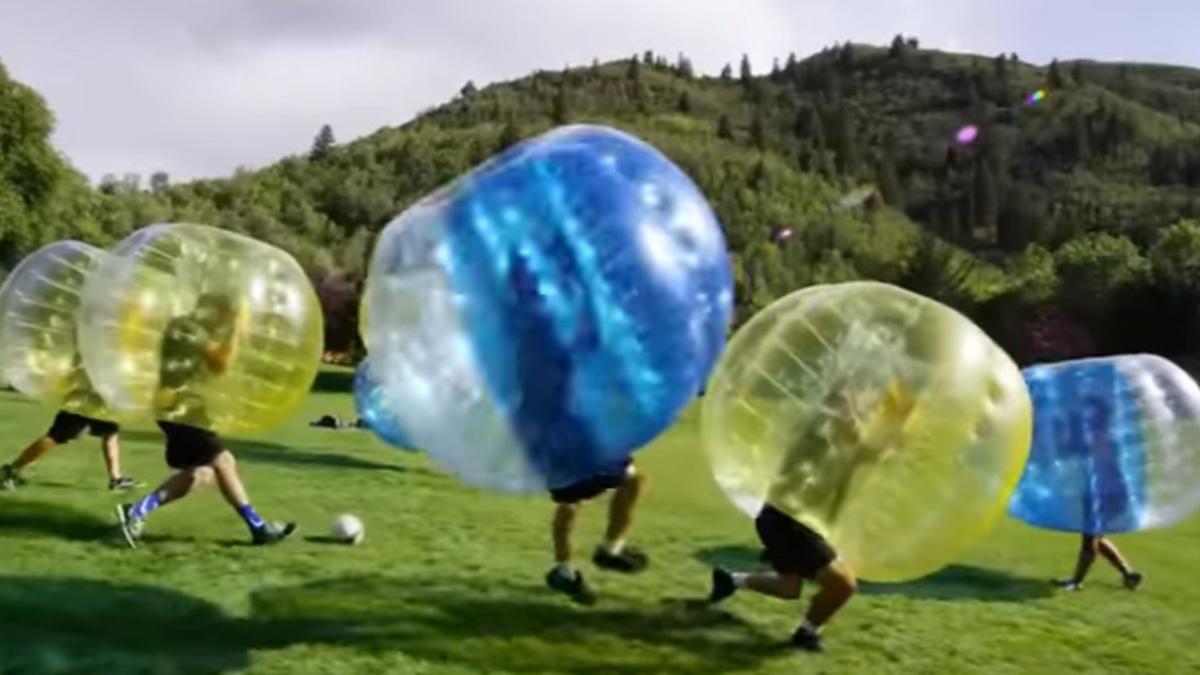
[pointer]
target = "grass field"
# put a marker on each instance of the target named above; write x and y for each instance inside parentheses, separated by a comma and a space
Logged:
(450, 580)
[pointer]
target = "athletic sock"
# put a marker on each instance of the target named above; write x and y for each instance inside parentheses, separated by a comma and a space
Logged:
(565, 570)
(739, 579)
(248, 514)
(808, 626)
(144, 506)
(614, 547)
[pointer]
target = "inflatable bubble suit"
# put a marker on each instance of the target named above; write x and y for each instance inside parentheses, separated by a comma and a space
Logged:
(883, 420)
(544, 316)
(1116, 446)
(201, 326)
(39, 306)
(373, 407)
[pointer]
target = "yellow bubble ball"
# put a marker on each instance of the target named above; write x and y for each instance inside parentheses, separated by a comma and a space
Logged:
(886, 421)
(201, 326)
(39, 305)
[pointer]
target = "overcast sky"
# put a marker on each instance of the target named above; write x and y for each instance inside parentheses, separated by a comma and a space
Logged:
(199, 87)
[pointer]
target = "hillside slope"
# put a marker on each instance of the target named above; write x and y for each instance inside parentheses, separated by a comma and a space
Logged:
(853, 148)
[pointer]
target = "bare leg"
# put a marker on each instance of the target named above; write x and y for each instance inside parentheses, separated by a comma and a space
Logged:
(837, 584)
(34, 452)
(563, 525)
(181, 484)
(112, 456)
(620, 510)
(229, 481)
(1087, 555)
(782, 586)
(1114, 557)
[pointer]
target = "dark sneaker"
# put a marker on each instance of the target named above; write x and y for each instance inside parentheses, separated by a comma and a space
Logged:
(807, 640)
(1068, 585)
(9, 480)
(1133, 580)
(272, 533)
(122, 484)
(576, 588)
(722, 586)
(628, 561)
(131, 525)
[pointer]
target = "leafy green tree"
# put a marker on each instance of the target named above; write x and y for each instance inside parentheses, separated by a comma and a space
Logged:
(323, 144)
(1094, 268)
(1034, 276)
(746, 74)
(727, 73)
(1175, 259)
(725, 128)
(888, 179)
(683, 67)
(1054, 76)
(510, 135)
(1077, 73)
(561, 112)
(685, 102)
(844, 141)
(987, 199)
(159, 182)
(758, 133)
(32, 175)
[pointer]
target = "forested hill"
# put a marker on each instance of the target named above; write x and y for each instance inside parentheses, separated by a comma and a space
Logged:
(1062, 225)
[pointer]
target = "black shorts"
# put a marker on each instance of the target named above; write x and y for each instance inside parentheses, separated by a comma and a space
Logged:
(68, 426)
(590, 488)
(792, 548)
(190, 447)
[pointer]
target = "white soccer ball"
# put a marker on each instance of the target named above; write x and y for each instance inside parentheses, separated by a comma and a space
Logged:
(348, 529)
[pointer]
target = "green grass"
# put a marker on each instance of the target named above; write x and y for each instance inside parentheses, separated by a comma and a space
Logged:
(449, 579)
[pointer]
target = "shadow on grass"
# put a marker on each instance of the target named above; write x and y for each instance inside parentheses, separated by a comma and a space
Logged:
(78, 625)
(273, 453)
(334, 381)
(52, 519)
(518, 629)
(956, 582)
(734, 557)
(965, 582)
(87, 626)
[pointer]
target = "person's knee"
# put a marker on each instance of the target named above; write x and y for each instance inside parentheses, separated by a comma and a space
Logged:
(202, 475)
(1091, 544)
(839, 579)
(849, 582)
(225, 461)
(791, 585)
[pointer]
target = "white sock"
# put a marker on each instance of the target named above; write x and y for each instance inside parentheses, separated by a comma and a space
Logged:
(808, 626)
(565, 569)
(614, 547)
(739, 579)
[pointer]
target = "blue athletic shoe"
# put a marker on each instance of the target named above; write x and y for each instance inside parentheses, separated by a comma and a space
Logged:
(272, 533)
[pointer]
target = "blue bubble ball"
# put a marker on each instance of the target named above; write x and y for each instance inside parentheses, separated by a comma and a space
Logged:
(374, 409)
(552, 311)
(1116, 446)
